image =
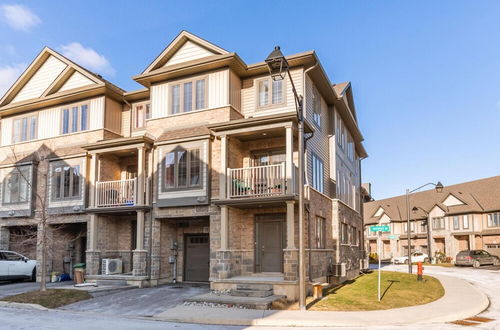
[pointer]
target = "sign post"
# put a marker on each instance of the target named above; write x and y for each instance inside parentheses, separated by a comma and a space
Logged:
(379, 230)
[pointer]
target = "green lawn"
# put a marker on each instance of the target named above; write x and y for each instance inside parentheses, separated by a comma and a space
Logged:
(52, 298)
(397, 290)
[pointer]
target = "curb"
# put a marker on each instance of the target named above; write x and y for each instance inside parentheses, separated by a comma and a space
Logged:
(9, 304)
(446, 309)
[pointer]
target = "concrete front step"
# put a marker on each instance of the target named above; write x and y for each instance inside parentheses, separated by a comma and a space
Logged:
(111, 282)
(247, 302)
(254, 286)
(253, 290)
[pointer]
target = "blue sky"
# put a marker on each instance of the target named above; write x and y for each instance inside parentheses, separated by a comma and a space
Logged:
(426, 74)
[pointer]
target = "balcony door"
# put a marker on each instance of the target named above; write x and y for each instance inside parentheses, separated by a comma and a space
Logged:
(264, 158)
(269, 242)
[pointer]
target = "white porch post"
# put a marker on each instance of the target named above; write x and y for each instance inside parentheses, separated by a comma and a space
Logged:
(290, 226)
(93, 178)
(289, 168)
(223, 168)
(141, 162)
(224, 228)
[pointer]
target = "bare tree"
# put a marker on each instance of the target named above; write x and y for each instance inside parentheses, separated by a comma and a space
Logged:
(43, 237)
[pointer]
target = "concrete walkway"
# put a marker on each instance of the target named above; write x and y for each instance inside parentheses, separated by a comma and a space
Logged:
(461, 300)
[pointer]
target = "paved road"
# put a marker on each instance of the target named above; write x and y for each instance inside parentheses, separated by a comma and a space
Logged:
(10, 288)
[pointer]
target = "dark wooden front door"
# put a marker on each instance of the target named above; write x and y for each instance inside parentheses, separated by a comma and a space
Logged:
(269, 243)
(196, 258)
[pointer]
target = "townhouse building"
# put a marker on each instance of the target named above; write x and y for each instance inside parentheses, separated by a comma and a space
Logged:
(191, 178)
(462, 217)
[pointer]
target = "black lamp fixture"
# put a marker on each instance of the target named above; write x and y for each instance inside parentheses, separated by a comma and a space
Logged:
(439, 187)
(277, 64)
(414, 210)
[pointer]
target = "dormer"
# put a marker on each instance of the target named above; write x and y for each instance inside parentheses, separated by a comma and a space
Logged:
(451, 200)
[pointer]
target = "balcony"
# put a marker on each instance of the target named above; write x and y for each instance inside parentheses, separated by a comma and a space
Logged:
(116, 193)
(258, 181)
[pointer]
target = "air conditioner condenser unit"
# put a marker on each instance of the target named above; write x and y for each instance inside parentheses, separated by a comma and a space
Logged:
(112, 266)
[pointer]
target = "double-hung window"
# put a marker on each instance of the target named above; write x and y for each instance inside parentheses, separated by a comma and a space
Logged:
(319, 233)
(465, 221)
(15, 186)
(75, 118)
(317, 173)
(494, 220)
(141, 112)
(456, 222)
(316, 104)
(344, 233)
(438, 223)
(25, 129)
(66, 182)
(270, 92)
(188, 96)
(182, 169)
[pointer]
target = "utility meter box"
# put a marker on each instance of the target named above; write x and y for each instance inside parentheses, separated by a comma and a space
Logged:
(171, 259)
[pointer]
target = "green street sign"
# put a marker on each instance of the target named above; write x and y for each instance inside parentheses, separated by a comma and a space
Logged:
(393, 236)
(380, 228)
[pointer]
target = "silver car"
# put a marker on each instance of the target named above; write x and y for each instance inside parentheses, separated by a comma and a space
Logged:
(15, 266)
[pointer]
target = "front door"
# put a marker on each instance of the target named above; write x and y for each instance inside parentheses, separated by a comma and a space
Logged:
(196, 258)
(269, 243)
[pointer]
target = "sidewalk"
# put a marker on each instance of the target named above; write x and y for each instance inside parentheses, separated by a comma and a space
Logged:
(461, 300)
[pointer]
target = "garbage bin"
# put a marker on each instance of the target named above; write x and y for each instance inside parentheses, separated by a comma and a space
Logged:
(79, 273)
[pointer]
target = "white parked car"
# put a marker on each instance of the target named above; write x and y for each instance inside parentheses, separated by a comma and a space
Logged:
(14, 266)
(415, 257)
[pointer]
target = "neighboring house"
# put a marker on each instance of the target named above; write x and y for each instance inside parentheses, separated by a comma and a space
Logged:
(463, 216)
(192, 178)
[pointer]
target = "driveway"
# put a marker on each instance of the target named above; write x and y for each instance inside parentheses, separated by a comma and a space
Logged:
(486, 279)
(139, 302)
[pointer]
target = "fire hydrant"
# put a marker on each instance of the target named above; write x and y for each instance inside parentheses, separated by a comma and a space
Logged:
(420, 271)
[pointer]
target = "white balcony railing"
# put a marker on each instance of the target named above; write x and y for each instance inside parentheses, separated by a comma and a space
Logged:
(116, 193)
(257, 181)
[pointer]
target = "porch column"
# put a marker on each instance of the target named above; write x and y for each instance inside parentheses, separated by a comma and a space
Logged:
(149, 175)
(139, 254)
(4, 238)
(472, 242)
(290, 226)
(93, 178)
(140, 231)
(223, 168)
(93, 257)
(289, 168)
(224, 228)
(141, 163)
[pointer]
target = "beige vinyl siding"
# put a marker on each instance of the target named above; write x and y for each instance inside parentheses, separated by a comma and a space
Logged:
(234, 91)
(6, 131)
(96, 111)
(41, 80)
(113, 120)
(188, 52)
(319, 143)
(75, 81)
(218, 89)
(126, 117)
(249, 96)
(218, 93)
(49, 118)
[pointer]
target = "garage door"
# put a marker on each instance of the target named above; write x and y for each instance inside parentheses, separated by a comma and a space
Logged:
(196, 259)
(493, 249)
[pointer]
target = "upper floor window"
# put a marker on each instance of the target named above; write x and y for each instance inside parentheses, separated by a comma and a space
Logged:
(341, 133)
(350, 149)
(316, 104)
(412, 227)
(25, 129)
(456, 222)
(317, 173)
(270, 92)
(75, 118)
(438, 223)
(182, 169)
(319, 233)
(465, 221)
(344, 233)
(494, 220)
(188, 96)
(66, 182)
(141, 112)
(15, 186)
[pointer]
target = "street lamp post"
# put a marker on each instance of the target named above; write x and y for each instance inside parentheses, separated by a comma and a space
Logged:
(439, 188)
(279, 68)
(428, 224)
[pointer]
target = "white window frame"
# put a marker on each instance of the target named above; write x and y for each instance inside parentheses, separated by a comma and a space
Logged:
(440, 221)
(81, 126)
(494, 219)
(316, 108)
(31, 133)
(176, 186)
(318, 178)
(55, 174)
(194, 97)
(465, 221)
(269, 95)
(456, 222)
(145, 116)
(319, 233)
(23, 174)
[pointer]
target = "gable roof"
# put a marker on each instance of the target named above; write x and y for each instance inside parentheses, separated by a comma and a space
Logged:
(452, 200)
(478, 196)
(51, 74)
(185, 45)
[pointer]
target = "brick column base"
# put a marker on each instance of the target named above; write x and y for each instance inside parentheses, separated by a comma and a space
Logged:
(291, 265)
(223, 264)
(93, 262)
(140, 263)
(4, 238)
